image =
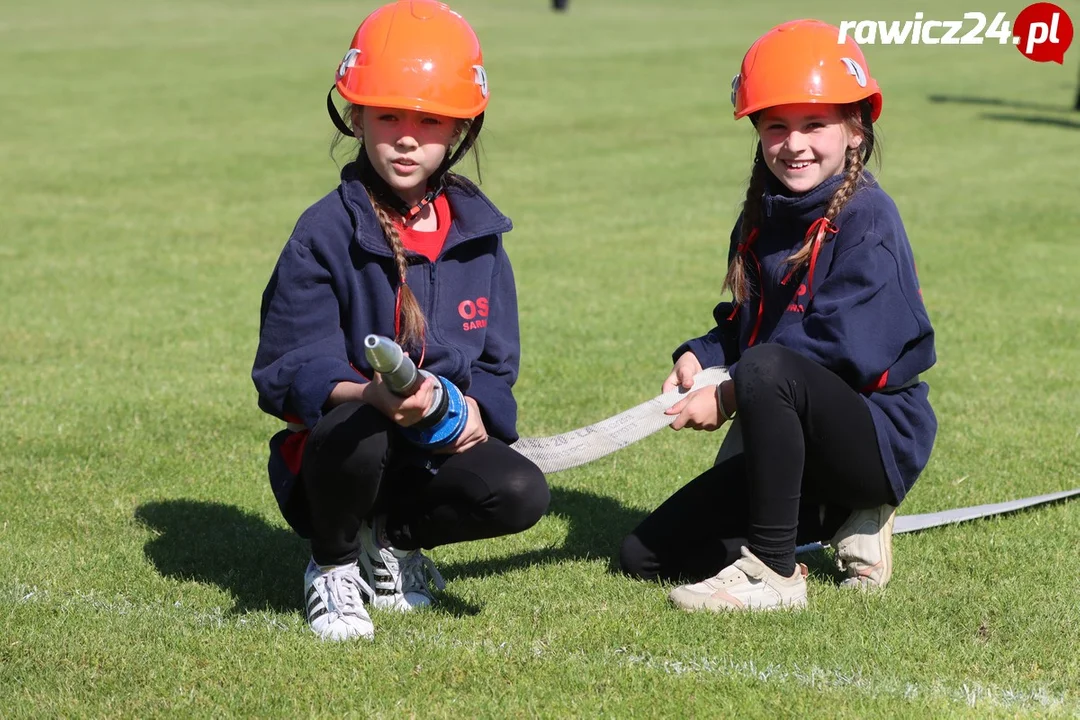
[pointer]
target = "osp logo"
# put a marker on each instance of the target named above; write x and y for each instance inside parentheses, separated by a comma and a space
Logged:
(474, 313)
(1042, 32)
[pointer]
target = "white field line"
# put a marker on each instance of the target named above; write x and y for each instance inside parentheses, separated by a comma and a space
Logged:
(215, 617)
(973, 695)
(970, 694)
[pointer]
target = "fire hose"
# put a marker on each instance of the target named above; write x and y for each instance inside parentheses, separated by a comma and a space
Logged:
(447, 415)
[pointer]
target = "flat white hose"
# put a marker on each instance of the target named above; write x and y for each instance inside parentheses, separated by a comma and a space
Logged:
(578, 447)
(562, 452)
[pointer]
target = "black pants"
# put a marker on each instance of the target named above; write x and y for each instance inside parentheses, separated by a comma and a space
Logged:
(808, 441)
(356, 465)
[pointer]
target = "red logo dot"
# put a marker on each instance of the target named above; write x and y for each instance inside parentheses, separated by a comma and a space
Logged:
(1043, 32)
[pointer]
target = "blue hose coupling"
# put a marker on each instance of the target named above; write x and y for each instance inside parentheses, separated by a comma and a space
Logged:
(444, 423)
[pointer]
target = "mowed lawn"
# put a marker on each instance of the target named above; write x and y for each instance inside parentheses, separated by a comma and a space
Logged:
(154, 156)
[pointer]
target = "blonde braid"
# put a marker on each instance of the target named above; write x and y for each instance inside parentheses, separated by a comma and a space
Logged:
(736, 279)
(852, 177)
(412, 316)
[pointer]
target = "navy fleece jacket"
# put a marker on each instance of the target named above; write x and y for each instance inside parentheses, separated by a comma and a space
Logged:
(335, 282)
(863, 318)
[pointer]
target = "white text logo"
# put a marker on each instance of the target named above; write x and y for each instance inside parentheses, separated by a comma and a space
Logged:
(1042, 31)
(927, 32)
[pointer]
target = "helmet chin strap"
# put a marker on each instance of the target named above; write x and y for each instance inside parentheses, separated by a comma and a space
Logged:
(336, 117)
(868, 123)
(436, 183)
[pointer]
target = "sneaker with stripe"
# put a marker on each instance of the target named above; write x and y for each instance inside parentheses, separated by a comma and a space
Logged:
(334, 602)
(401, 579)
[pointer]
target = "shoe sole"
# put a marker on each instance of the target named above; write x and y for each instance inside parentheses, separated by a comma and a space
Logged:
(354, 634)
(695, 603)
(389, 604)
(791, 606)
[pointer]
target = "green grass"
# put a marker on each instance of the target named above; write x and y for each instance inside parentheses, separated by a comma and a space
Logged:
(153, 158)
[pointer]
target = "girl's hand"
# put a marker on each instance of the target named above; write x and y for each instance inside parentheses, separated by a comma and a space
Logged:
(698, 410)
(403, 411)
(682, 375)
(473, 434)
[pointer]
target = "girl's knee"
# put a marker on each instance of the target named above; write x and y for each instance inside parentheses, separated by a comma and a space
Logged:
(761, 367)
(762, 363)
(525, 497)
(635, 559)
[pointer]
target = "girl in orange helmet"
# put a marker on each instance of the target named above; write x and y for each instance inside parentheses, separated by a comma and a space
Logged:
(404, 248)
(824, 339)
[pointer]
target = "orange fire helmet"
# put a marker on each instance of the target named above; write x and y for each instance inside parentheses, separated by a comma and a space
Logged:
(802, 62)
(415, 55)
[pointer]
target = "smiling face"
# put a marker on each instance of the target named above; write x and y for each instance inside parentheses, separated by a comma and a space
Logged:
(806, 144)
(405, 146)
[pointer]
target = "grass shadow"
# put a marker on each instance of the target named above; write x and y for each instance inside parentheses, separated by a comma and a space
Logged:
(1035, 120)
(259, 564)
(822, 566)
(999, 102)
(597, 525)
(454, 606)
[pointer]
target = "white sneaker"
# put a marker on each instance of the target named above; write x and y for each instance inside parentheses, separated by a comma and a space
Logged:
(746, 584)
(863, 547)
(401, 578)
(334, 602)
